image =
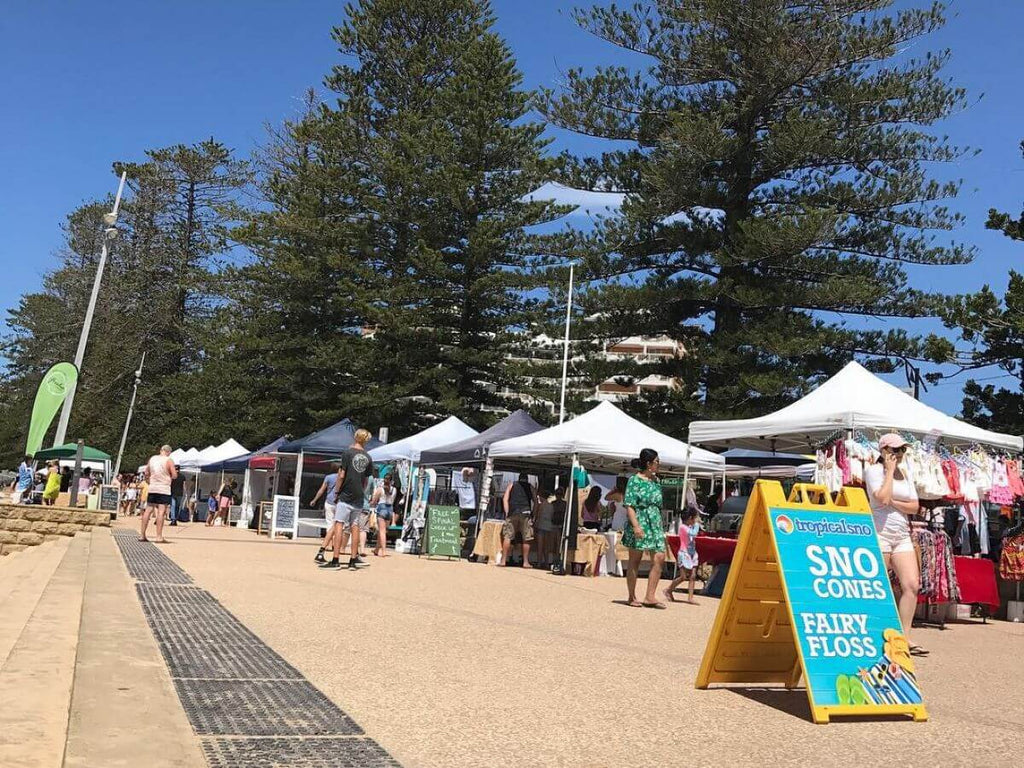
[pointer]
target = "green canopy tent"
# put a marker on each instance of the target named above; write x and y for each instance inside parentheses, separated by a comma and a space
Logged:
(68, 451)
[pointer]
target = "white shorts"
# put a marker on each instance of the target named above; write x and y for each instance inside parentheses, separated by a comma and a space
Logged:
(891, 542)
(350, 515)
(329, 513)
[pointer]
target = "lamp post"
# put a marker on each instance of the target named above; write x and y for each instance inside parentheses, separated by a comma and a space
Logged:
(109, 233)
(128, 421)
(565, 352)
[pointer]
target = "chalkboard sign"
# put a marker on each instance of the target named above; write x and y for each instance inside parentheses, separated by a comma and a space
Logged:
(110, 498)
(266, 510)
(234, 513)
(285, 516)
(443, 531)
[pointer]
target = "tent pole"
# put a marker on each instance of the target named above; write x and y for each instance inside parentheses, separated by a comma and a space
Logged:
(485, 495)
(570, 488)
(686, 469)
(297, 491)
(410, 490)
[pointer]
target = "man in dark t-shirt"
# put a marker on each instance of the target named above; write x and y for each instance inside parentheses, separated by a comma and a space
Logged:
(350, 486)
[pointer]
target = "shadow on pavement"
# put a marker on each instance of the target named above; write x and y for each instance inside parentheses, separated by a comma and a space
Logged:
(791, 701)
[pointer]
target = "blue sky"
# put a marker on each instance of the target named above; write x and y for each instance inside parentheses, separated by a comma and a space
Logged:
(90, 83)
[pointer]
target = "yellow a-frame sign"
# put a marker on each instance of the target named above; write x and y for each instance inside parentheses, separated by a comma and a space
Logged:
(808, 595)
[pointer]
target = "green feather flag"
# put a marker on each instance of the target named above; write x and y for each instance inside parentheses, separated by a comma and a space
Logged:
(54, 387)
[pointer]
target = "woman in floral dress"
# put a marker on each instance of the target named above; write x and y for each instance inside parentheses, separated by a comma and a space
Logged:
(644, 530)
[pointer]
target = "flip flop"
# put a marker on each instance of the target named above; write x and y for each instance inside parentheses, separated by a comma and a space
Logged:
(634, 604)
(917, 650)
(658, 606)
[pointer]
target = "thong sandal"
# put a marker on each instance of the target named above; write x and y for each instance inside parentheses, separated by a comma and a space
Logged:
(635, 604)
(917, 650)
(658, 606)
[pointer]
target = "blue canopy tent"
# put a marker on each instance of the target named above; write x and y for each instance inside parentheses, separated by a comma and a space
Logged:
(329, 441)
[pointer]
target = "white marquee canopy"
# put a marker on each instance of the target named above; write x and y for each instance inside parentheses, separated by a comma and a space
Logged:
(449, 431)
(605, 438)
(853, 399)
(229, 449)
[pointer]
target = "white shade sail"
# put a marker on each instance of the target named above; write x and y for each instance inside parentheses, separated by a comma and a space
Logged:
(607, 439)
(853, 399)
(446, 432)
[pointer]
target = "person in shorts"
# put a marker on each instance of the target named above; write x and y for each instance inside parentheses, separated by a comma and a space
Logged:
(160, 472)
(893, 498)
(349, 511)
(383, 502)
(329, 490)
(520, 502)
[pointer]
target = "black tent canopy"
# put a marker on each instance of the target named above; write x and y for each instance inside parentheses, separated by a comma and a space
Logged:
(473, 450)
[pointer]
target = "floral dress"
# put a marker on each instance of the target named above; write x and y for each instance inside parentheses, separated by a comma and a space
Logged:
(644, 496)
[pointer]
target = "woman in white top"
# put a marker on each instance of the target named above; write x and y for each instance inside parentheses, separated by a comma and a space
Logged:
(893, 499)
(383, 502)
(160, 471)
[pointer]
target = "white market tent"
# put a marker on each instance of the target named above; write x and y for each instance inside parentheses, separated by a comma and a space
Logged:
(853, 399)
(449, 431)
(229, 449)
(605, 439)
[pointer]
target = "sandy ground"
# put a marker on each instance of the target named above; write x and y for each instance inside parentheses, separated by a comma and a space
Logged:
(463, 664)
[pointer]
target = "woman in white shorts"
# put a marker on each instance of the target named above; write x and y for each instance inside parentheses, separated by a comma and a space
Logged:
(893, 499)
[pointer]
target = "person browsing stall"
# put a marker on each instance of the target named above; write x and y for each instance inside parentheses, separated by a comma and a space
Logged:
(592, 509)
(353, 475)
(893, 499)
(329, 490)
(383, 502)
(520, 504)
(644, 530)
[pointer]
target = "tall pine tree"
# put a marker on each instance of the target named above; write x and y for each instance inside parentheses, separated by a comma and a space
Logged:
(994, 329)
(774, 159)
(433, 109)
(158, 295)
(402, 208)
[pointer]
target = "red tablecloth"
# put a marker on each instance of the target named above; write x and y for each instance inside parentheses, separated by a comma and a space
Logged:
(712, 550)
(976, 577)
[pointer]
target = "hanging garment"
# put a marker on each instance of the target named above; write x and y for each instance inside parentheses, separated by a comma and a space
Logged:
(1000, 493)
(1011, 562)
(952, 474)
(1016, 481)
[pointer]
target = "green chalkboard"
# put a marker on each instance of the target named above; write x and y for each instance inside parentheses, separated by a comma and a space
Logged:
(443, 532)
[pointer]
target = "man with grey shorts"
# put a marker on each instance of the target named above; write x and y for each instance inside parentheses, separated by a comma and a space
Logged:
(353, 475)
(329, 490)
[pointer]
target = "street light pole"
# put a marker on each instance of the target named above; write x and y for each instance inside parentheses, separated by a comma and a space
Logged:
(565, 352)
(128, 421)
(110, 219)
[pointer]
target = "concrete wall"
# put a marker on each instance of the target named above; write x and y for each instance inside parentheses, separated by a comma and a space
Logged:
(28, 525)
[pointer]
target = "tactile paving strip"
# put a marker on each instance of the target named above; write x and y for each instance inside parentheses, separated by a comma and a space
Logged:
(147, 563)
(200, 638)
(262, 708)
(296, 753)
(233, 686)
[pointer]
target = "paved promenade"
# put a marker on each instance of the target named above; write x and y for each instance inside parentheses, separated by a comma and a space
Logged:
(464, 664)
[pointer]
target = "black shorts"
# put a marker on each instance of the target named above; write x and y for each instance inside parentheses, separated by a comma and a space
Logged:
(155, 499)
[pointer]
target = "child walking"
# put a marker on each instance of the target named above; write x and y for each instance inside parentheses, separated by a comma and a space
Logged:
(687, 558)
